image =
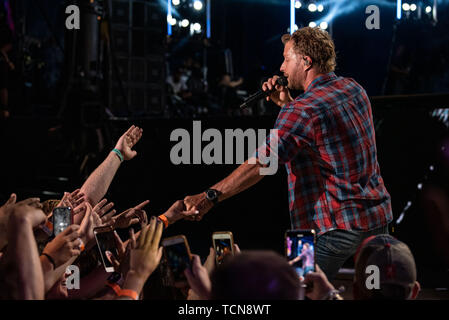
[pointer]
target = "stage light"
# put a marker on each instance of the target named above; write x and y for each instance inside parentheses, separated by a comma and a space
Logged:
(198, 5)
(176, 2)
(323, 25)
(171, 20)
(197, 27)
(298, 4)
(413, 7)
(399, 9)
(312, 7)
(312, 24)
(428, 9)
(185, 23)
(295, 28)
(320, 8)
(405, 7)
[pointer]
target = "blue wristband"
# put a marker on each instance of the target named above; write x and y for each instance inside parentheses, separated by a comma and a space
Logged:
(118, 153)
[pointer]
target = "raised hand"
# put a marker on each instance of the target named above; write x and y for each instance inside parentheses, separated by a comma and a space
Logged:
(145, 253)
(198, 203)
(72, 200)
(280, 95)
(130, 216)
(127, 141)
(198, 278)
(318, 285)
(87, 224)
(102, 213)
(9, 203)
(29, 210)
(5, 211)
(121, 261)
(64, 246)
(26, 209)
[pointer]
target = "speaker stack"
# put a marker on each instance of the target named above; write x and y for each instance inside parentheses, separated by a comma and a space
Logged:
(138, 30)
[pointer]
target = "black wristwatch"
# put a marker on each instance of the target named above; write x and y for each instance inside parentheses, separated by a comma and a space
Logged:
(212, 195)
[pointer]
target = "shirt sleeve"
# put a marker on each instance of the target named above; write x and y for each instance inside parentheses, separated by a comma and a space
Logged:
(292, 132)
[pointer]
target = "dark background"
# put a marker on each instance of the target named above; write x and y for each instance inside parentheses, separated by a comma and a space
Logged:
(409, 139)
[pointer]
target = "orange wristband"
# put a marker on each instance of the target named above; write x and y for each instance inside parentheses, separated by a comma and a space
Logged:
(115, 287)
(164, 220)
(129, 293)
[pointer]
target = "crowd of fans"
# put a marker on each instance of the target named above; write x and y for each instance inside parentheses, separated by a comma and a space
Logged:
(36, 265)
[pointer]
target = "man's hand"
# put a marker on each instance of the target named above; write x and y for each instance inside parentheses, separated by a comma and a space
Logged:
(127, 141)
(198, 278)
(121, 261)
(198, 203)
(87, 224)
(8, 208)
(65, 245)
(72, 200)
(209, 264)
(318, 285)
(101, 213)
(29, 210)
(129, 217)
(280, 96)
(178, 211)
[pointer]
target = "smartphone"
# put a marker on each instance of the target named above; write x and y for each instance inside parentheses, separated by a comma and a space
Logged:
(106, 242)
(223, 242)
(62, 218)
(300, 250)
(177, 253)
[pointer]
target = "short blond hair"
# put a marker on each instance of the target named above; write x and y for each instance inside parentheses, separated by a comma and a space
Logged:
(315, 43)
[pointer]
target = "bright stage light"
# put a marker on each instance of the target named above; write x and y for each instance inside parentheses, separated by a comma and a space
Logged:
(176, 2)
(295, 28)
(428, 9)
(198, 5)
(405, 7)
(171, 20)
(197, 27)
(312, 24)
(320, 8)
(323, 25)
(312, 7)
(185, 23)
(298, 4)
(413, 7)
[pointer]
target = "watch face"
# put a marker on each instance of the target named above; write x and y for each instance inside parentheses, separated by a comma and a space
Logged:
(211, 194)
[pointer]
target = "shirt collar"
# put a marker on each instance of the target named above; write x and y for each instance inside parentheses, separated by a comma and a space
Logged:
(321, 79)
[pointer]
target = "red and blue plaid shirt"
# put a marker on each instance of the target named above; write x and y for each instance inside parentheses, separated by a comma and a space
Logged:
(327, 142)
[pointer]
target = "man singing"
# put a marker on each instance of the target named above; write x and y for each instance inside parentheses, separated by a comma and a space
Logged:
(326, 140)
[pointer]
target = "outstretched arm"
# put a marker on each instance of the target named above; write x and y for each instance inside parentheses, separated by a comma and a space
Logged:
(99, 181)
(245, 176)
(23, 272)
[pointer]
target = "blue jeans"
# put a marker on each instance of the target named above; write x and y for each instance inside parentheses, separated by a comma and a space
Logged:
(334, 247)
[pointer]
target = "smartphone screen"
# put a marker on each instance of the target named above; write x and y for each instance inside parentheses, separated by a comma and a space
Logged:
(106, 242)
(223, 247)
(300, 251)
(178, 260)
(62, 218)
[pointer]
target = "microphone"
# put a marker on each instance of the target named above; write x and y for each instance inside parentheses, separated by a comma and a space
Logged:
(282, 81)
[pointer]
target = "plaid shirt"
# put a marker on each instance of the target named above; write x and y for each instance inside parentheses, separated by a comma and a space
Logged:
(327, 142)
